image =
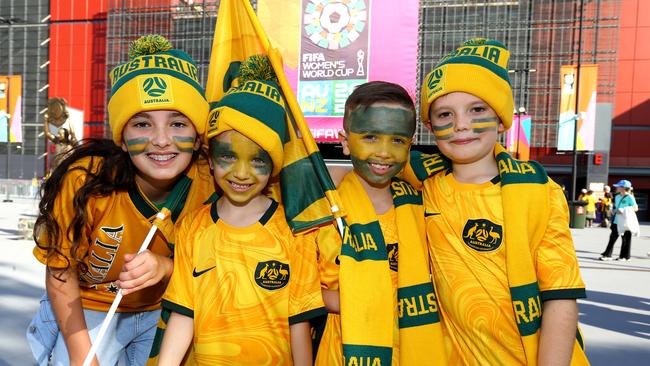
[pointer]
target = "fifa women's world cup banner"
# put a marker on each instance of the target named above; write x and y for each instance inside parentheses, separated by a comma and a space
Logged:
(331, 46)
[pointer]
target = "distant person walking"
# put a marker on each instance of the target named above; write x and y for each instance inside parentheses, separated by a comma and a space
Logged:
(606, 207)
(623, 221)
(591, 207)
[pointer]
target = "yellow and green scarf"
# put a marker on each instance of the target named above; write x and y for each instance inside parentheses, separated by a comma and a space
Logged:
(365, 284)
(525, 192)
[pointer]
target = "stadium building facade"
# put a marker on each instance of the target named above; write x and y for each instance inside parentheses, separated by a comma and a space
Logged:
(64, 48)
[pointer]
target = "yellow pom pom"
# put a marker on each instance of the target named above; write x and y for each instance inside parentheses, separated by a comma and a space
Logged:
(257, 67)
(149, 44)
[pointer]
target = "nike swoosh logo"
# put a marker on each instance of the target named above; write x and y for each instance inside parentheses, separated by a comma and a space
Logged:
(197, 274)
(427, 214)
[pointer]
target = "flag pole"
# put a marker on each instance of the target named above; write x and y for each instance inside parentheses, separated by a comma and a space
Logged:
(118, 298)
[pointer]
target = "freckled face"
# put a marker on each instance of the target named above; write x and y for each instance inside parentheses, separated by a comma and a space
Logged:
(241, 168)
(379, 141)
(161, 144)
(465, 127)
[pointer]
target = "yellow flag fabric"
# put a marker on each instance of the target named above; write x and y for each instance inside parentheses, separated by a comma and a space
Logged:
(305, 188)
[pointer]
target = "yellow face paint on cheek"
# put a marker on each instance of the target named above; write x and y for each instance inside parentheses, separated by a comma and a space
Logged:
(136, 146)
(184, 143)
(480, 125)
(443, 132)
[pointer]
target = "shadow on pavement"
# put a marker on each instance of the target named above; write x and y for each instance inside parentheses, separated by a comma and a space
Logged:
(628, 322)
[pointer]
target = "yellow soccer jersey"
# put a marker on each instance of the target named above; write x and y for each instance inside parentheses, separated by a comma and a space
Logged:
(117, 224)
(243, 286)
(330, 352)
(464, 224)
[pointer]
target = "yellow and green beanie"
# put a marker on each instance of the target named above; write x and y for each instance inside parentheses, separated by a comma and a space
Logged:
(156, 77)
(255, 109)
(478, 67)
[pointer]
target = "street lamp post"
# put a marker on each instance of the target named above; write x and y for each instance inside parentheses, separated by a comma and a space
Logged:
(574, 165)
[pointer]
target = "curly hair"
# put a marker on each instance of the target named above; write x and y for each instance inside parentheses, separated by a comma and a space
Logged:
(115, 172)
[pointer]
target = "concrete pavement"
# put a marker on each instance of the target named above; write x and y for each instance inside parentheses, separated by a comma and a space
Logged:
(615, 318)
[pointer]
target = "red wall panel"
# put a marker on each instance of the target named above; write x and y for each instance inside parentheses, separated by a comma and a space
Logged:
(641, 82)
(626, 46)
(629, 14)
(632, 102)
(77, 67)
(624, 76)
(78, 58)
(66, 10)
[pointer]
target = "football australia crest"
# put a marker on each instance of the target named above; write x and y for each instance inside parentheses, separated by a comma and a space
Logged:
(213, 117)
(436, 81)
(272, 275)
(482, 235)
(155, 90)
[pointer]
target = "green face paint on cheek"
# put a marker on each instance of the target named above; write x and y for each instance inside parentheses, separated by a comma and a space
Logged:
(443, 132)
(136, 146)
(262, 163)
(222, 154)
(185, 144)
(480, 125)
(382, 121)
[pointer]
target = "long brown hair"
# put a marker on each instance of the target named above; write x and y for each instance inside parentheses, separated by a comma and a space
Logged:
(115, 172)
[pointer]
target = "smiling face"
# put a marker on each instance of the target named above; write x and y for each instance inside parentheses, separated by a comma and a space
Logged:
(161, 144)
(465, 127)
(378, 141)
(241, 168)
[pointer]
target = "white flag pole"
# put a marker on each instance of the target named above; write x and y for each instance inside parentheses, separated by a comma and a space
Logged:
(118, 298)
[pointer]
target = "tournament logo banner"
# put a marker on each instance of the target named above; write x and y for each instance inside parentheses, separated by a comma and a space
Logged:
(331, 46)
(585, 117)
(333, 54)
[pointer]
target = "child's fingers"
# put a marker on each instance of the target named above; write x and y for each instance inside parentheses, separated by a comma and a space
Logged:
(132, 261)
(140, 272)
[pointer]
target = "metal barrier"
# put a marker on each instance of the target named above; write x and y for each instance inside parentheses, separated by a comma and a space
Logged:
(18, 188)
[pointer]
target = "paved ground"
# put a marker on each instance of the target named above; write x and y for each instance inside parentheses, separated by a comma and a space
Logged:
(615, 319)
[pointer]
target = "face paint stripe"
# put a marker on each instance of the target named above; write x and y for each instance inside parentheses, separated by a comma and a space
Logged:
(481, 130)
(488, 119)
(184, 144)
(134, 152)
(483, 125)
(136, 146)
(137, 141)
(382, 120)
(442, 128)
(444, 132)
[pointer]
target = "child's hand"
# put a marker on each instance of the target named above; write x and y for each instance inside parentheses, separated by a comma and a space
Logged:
(143, 270)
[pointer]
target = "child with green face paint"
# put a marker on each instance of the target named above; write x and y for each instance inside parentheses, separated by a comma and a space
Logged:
(497, 229)
(98, 204)
(379, 265)
(244, 287)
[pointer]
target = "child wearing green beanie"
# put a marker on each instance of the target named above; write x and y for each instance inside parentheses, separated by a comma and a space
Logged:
(497, 228)
(98, 204)
(244, 287)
